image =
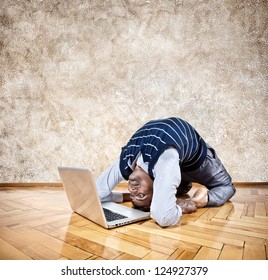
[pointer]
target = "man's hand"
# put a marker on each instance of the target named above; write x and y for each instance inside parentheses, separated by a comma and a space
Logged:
(187, 206)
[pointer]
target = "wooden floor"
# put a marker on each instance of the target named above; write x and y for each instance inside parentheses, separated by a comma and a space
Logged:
(37, 223)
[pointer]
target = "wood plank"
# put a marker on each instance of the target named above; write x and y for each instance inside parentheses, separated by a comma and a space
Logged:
(236, 211)
(87, 245)
(248, 198)
(153, 255)
(15, 205)
(7, 207)
(209, 214)
(230, 252)
(193, 216)
(176, 254)
(159, 240)
(205, 232)
(178, 236)
(262, 192)
(144, 240)
(250, 209)
(40, 252)
(224, 211)
(254, 252)
(266, 207)
(96, 258)
(22, 242)
(68, 220)
(126, 256)
(240, 224)
(206, 253)
(9, 252)
(260, 209)
(33, 218)
(186, 255)
(110, 241)
(54, 244)
(254, 220)
(254, 192)
(242, 232)
(16, 216)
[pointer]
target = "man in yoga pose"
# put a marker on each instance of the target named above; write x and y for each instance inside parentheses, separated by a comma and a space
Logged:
(160, 162)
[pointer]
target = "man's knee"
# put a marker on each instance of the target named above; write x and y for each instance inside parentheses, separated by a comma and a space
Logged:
(219, 195)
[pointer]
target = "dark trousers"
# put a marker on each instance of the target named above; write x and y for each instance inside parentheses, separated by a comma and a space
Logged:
(213, 175)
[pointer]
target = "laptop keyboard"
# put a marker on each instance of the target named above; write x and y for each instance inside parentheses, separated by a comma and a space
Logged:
(112, 216)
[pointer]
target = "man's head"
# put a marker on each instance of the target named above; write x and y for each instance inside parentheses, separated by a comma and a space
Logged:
(140, 186)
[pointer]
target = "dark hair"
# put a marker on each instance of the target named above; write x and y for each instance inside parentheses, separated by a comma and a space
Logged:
(144, 209)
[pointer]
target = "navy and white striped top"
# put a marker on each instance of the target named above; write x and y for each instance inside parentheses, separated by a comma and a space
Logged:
(157, 135)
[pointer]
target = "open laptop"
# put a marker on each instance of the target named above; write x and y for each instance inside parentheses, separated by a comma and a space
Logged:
(82, 194)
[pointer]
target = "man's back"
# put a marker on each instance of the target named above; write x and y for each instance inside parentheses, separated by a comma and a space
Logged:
(156, 136)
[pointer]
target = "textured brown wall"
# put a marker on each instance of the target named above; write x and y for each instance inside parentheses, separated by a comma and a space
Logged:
(78, 77)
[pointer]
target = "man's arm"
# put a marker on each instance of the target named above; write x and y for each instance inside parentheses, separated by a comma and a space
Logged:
(164, 208)
(107, 181)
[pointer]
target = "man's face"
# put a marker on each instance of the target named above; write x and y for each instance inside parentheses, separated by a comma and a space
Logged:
(140, 186)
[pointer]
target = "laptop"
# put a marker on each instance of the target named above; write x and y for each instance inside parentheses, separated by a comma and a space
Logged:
(82, 195)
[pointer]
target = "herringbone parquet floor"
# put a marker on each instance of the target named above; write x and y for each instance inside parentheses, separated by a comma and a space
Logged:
(37, 223)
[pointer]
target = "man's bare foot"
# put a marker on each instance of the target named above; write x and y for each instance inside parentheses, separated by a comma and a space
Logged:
(187, 206)
(200, 198)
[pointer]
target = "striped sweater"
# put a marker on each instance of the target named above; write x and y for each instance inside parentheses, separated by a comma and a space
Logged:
(157, 135)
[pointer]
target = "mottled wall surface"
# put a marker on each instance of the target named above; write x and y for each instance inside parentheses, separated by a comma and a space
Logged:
(78, 77)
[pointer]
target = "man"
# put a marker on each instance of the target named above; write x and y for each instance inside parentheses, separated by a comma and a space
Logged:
(160, 162)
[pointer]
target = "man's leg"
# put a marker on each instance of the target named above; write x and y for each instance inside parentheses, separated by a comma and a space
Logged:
(214, 176)
(220, 186)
